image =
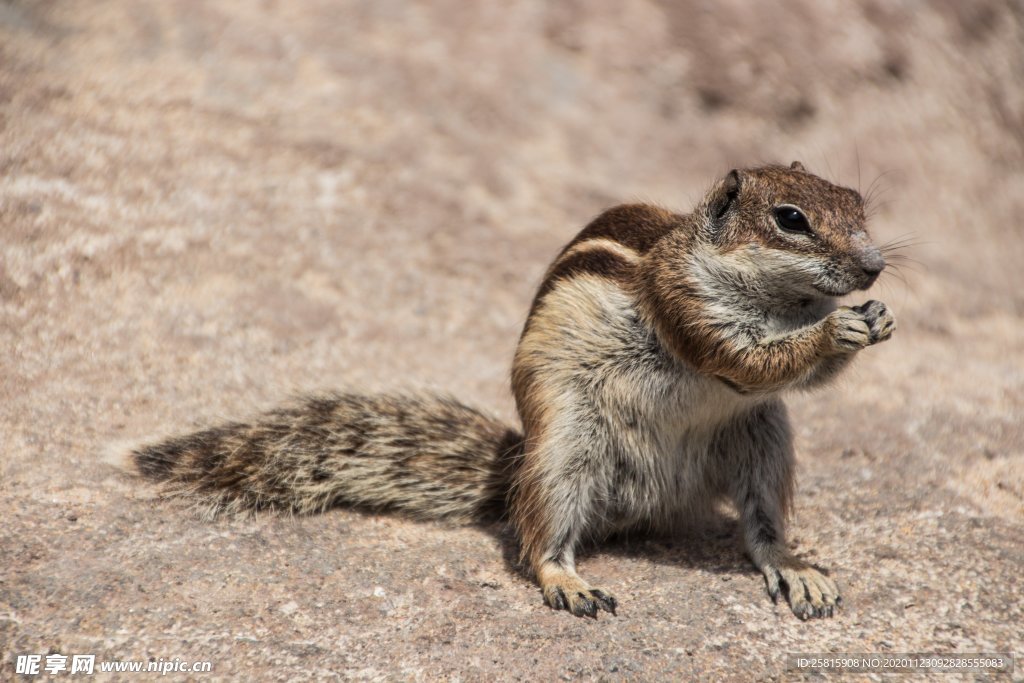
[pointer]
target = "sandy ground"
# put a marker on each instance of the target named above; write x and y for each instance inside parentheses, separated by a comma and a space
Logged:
(207, 206)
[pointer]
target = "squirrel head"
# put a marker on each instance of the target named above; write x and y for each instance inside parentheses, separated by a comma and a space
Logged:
(792, 229)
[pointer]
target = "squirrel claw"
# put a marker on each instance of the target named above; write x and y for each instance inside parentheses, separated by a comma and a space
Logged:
(604, 601)
(557, 600)
(809, 592)
(574, 596)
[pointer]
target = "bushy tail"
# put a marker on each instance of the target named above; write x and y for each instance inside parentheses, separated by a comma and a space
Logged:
(429, 456)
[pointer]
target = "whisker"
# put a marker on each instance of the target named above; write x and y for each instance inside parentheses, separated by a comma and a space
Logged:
(898, 249)
(831, 174)
(856, 149)
(907, 238)
(894, 249)
(876, 184)
(902, 261)
(897, 274)
(873, 196)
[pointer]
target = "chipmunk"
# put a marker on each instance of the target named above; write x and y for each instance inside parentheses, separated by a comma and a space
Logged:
(648, 378)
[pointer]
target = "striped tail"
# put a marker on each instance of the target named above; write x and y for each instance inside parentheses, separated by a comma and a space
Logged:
(429, 456)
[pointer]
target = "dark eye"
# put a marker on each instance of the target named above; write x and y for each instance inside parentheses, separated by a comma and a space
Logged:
(791, 219)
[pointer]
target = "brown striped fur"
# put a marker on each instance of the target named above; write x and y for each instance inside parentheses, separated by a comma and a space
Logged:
(648, 379)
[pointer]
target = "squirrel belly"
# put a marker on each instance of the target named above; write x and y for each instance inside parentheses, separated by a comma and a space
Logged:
(430, 457)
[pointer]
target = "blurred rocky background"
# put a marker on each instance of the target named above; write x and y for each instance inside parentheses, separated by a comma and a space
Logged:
(206, 206)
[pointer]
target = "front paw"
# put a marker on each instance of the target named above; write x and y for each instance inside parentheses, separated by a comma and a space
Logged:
(809, 592)
(849, 330)
(881, 322)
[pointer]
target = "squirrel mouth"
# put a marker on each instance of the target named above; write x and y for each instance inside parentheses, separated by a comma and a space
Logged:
(832, 291)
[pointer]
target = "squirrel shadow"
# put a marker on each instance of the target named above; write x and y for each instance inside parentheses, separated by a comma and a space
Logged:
(711, 544)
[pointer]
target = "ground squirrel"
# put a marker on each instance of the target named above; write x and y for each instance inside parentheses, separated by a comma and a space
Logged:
(648, 379)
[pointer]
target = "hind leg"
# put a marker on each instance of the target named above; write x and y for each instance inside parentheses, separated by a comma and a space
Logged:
(759, 450)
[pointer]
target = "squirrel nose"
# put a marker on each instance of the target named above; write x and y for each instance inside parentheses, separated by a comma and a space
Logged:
(872, 263)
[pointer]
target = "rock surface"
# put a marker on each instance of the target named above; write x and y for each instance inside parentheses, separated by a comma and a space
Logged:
(207, 206)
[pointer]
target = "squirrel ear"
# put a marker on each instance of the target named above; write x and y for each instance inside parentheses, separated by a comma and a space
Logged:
(797, 166)
(732, 183)
(724, 195)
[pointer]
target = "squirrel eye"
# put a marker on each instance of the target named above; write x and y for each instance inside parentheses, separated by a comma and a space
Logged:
(791, 219)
